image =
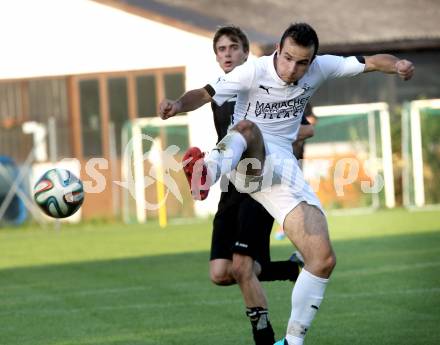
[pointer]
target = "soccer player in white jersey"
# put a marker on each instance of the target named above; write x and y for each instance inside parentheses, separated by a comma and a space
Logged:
(272, 92)
(240, 246)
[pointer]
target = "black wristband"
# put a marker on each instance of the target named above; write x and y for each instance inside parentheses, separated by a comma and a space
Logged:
(210, 90)
(361, 59)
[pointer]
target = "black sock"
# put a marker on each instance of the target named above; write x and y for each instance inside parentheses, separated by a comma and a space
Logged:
(261, 327)
(279, 270)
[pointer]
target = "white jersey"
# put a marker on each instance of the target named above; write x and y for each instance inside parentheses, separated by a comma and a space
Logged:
(275, 106)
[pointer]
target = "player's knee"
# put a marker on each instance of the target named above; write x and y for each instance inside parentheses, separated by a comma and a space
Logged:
(248, 129)
(239, 273)
(244, 126)
(242, 269)
(221, 277)
(330, 263)
(326, 265)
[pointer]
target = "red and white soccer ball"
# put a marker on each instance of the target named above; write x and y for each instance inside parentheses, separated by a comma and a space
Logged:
(59, 193)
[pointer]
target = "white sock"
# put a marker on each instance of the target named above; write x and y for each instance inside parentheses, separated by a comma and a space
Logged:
(225, 156)
(307, 296)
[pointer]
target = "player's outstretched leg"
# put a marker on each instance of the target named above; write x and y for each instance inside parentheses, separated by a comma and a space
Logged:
(243, 141)
(306, 227)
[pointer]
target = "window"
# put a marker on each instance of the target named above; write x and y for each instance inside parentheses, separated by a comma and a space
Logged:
(10, 102)
(90, 117)
(146, 96)
(34, 100)
(126, 95)
(118, 106)
(47, 98)
(174, 85)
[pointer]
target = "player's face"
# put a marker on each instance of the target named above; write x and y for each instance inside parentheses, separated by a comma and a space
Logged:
(229, 54)
(293, 61)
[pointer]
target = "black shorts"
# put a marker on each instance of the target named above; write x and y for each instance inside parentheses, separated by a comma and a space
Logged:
(241, 225)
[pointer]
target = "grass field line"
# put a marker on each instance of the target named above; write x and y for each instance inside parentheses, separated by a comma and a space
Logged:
(84, 291)
(5, 290)
(29, 296)
(26, 286)
(210, 302)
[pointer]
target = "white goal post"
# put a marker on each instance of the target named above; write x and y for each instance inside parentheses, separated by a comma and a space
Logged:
(413, 142)
(133, 166)
(377, 140)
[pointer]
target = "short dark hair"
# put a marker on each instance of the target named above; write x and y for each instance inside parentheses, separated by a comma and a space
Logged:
(303, 34)
(234, 33)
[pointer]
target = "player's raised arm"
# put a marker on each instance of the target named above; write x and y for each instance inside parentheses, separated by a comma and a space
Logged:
(387, 63)
(189, 101)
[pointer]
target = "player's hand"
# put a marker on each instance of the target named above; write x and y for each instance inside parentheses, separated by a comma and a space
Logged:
(168, 109)
(405, 69)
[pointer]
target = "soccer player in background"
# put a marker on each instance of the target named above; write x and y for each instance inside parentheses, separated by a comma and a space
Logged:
(272, 92)
(240, 250)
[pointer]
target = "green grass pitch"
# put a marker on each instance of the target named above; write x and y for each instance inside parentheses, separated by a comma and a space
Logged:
(114, 284)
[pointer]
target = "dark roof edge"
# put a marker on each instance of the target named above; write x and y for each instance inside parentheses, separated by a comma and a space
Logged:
(422, 44)
(385, 46)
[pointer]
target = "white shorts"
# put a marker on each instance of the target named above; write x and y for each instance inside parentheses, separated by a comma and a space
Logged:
(281, 186)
